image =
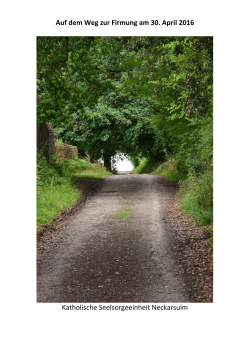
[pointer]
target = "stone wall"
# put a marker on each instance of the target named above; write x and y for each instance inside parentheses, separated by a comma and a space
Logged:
(45, 139)
(65, 151)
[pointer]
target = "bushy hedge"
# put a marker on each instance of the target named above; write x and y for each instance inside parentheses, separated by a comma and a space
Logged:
(49, 174)
(196, 190)
(197, 197)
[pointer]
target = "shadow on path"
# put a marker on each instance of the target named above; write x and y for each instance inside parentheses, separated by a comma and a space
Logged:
(99, 258)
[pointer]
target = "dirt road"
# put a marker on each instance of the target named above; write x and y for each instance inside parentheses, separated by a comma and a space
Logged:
(100, 258)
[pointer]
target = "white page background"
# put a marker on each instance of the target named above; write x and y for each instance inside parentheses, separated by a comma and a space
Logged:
(218, 327)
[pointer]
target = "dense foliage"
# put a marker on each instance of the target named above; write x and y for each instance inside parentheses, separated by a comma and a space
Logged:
(148, 97)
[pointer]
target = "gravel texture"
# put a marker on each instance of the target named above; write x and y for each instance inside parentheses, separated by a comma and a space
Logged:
(95, 257)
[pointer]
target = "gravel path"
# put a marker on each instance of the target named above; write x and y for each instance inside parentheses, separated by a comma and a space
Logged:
(102, 259)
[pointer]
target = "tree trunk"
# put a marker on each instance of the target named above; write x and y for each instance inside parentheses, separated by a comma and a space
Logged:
(107, 160)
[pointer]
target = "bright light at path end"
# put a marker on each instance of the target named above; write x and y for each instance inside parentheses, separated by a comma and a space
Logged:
(124, 165)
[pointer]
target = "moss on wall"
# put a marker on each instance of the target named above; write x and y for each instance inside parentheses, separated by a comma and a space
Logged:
(65, 151)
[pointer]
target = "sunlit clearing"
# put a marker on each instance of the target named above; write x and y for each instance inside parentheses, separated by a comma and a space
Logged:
(124, 165)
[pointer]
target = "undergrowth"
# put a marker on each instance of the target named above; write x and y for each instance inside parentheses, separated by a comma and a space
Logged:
(146, 166)
(169, 170)
(197, 197)
(51, 200)
(195, 190)
(56, 189)
(83, 168)
(90, 174)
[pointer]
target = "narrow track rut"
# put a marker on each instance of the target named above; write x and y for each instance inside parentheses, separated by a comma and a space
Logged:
(100, 258)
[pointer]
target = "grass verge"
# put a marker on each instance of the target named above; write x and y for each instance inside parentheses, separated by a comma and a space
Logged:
(196, 191)
(197, 198)
(169, 170)
(51, 200)
(56, 190)
(146, 166)
(91, 174)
